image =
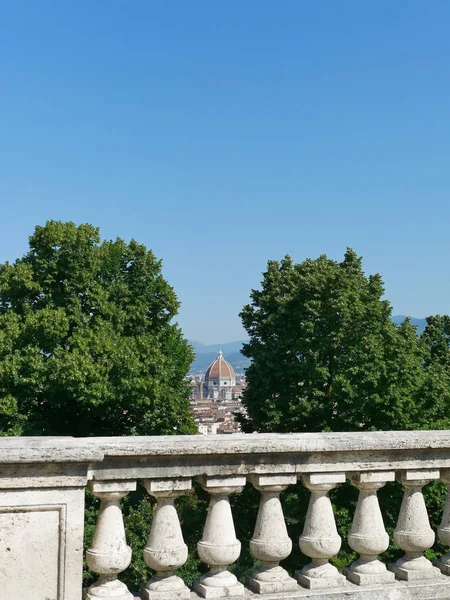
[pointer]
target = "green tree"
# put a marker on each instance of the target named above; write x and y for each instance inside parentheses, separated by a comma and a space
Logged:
(436, 337)
(87, 346)
(327, 357)
(325, 353)
(435, 340)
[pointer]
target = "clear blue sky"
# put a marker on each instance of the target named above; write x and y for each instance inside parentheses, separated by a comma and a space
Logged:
(225, 133)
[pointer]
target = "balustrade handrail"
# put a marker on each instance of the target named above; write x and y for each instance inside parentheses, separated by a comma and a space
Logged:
(263, 443)
(60, 449)
(245, 454)
(67, 448)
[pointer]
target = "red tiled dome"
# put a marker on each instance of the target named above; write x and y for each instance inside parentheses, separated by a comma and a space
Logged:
(220, 369)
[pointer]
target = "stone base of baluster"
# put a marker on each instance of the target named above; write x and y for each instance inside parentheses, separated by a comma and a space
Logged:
(218, 585)
(206, 591)
(369, 572)
(111, 591)
(444, 567)
(165, 588)
(88, 596)
(363, 579)
(316, 577)
(175, 595)
(271, 581)
(273, 587)
(417, 569)
(406, 575)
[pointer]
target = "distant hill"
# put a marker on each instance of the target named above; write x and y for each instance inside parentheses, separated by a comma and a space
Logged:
(200, 348)
(206, 353)
(421, 323)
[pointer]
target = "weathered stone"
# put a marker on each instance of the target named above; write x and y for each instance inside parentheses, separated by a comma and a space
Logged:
(219, 546)
(270, 542)
(244, 454)
(165, 550)
(400, 590)
(320, 539)
(413, 533)
(443, 563)
(109, 554)
(368, 536)
(42, 485)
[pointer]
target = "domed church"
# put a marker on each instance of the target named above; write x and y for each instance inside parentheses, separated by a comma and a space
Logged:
(220, 379)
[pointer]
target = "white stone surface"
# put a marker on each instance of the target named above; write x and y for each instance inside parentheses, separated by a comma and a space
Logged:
(245, 454)
(41, 544)
(443, 563)
(270, 542)
(40, 450)
(219, 546)
(39, 532)
(320, 539)
(413, 533)
(400, 590)
(109, 553)
(368, 536)
(42, 517)
(226, 589)
(165, 550)
(274, 443)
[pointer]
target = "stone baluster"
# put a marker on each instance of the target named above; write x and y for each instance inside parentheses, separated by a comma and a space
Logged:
(109, 554)
(270, 542)
(413, 533)
(219, 547)
(165, 550)
(443, 563)
(320, 539)
(368, 536)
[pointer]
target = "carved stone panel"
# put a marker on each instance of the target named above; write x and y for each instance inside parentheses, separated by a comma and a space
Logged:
(41, 543)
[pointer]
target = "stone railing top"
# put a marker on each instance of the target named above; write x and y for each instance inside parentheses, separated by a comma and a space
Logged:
(23, 450)
(273, 443)
(298, 452)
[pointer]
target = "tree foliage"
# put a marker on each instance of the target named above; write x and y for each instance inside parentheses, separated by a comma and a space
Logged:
(435, 343)
(87, 346)
(326, 355)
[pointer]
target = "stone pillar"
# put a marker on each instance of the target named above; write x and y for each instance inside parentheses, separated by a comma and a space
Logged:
(219, 546)
(320, 539)
(413, 533)
(165, 550)
(368, 536)
(109, 554)
(443, 563)
(270, 542)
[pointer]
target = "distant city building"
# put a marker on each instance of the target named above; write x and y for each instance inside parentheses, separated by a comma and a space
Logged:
(208, 428)
(196, 392)
(216, 398)
(220, 379)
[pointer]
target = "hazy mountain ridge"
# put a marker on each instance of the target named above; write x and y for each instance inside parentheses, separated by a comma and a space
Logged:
(206, 353)
(420, 323)
(229, 347)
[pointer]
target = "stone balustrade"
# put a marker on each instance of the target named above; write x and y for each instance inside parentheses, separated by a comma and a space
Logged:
(43, 480)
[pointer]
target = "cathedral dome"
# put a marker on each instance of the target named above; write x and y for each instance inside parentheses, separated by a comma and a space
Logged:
(220, 369)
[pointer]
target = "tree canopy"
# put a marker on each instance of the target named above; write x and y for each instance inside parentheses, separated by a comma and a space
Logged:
(327, 356)
(87, 343)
